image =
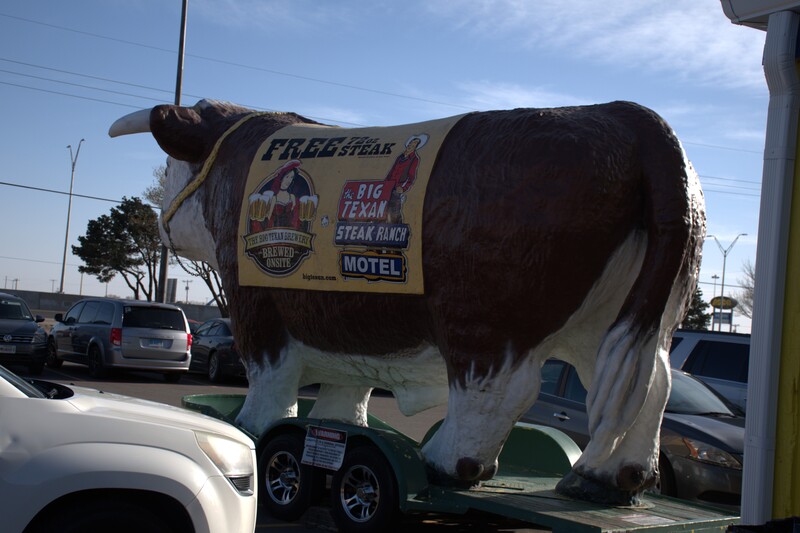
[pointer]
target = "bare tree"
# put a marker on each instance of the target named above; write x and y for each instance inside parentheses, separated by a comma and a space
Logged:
(745, 296)
(155, 195)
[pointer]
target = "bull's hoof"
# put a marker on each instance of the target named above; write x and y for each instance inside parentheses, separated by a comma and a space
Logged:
(586, 488)
(469, 469)
(438, 477)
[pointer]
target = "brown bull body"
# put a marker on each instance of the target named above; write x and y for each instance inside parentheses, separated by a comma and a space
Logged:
(572, 232)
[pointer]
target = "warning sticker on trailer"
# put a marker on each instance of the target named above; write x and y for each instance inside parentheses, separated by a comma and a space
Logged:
(324, 447)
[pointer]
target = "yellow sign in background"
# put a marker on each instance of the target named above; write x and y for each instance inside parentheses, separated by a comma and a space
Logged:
(338, 209)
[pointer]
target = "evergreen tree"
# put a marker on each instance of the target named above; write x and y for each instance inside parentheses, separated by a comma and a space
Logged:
(696, 316)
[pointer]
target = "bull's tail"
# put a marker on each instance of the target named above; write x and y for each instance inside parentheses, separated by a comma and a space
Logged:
(633, 356)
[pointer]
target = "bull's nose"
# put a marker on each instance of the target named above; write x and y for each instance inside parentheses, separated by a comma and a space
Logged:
(469, 469)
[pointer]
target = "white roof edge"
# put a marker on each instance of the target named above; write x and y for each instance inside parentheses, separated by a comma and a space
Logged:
(755, 13)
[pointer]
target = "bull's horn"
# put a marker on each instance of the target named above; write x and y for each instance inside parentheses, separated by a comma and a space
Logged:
(136, 122)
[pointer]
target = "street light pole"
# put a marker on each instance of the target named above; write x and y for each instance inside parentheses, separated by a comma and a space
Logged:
(724, 261)
(73, 160)
(161, 293)
(713, 295)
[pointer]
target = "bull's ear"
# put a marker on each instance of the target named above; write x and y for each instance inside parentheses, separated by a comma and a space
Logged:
(181, 132)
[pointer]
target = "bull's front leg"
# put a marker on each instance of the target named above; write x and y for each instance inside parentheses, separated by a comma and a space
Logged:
(481, 412)
(272, 393)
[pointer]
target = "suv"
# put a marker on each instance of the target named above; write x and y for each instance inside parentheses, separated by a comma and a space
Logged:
(76, 459)
(719, 359)
(104, 333)
(22, 340)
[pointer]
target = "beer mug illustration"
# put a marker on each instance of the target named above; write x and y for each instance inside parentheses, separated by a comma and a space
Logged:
(307, 207)
(258, 207)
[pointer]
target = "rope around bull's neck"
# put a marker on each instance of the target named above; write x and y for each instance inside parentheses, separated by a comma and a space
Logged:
(201, 177)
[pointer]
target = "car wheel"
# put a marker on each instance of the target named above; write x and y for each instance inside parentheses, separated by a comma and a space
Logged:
(214, 368)
(172, 377)
(97, 368)
(364, 492)
(36, 369)
(102, 516)
(288, 487)
(666, 479)
(52, 355)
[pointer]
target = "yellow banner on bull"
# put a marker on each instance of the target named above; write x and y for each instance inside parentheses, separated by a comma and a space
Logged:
(337, 209)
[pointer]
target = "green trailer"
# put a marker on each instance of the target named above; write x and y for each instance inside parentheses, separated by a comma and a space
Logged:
(375, 472)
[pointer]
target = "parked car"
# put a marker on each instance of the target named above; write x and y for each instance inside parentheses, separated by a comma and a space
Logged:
(721, 360)
(22, 340)
(105, 334)
(214, 351)
(193, 325)
(702, 435)
(75, 459)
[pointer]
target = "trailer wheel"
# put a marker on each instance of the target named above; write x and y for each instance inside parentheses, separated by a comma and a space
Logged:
(364, 492)
(287, 485)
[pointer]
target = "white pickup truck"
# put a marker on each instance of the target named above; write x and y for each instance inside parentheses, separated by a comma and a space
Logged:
(75, 459)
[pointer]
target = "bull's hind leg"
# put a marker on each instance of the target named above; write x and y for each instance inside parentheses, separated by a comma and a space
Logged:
(625, 404)
(481, 412)
(272, 394)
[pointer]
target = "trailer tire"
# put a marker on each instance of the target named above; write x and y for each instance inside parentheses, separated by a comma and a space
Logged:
(364, 492)
(287, 486)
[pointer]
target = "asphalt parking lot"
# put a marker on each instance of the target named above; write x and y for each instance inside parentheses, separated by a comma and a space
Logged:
(153, 387)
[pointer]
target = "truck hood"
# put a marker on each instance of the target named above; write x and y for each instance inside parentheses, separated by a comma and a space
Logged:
(122, 408)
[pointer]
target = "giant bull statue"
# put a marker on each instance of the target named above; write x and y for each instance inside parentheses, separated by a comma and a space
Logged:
(573, 233)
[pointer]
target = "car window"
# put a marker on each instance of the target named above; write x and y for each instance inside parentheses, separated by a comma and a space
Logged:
(216, 331)
(204, 329)
(720, 360)
(14, 310)
(153, 317)
(551, 375)
(224, 330)
(691, 397)
(89, 312)
(675, 342)
(574, 389)
(74, 313)
(105, 314)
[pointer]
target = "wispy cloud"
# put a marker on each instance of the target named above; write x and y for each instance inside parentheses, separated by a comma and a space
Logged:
(265, 14)
(690, 38)
(485, 95)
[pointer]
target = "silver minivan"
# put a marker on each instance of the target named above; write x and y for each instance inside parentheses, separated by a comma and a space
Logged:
(105, 333)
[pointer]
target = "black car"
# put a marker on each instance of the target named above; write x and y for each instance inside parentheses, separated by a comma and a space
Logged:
(22, 340)
(702, 434)
(214, 351)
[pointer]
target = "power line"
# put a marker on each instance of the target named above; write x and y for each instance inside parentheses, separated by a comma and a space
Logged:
(28, 260)
(240, 65)
(80, 85)
(67, 94)
(73, 194)
(290, 75)
(723, 147)
(59, 192)
(730, 179)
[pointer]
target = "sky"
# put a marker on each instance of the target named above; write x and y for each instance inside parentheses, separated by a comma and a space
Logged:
(68, 70)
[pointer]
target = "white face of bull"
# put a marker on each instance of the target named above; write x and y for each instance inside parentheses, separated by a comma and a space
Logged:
(188, 235)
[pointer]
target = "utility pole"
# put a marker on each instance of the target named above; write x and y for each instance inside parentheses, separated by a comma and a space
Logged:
(52, 285)
(186, 285)
(713, 295)
(161, 295)
(73, 160)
